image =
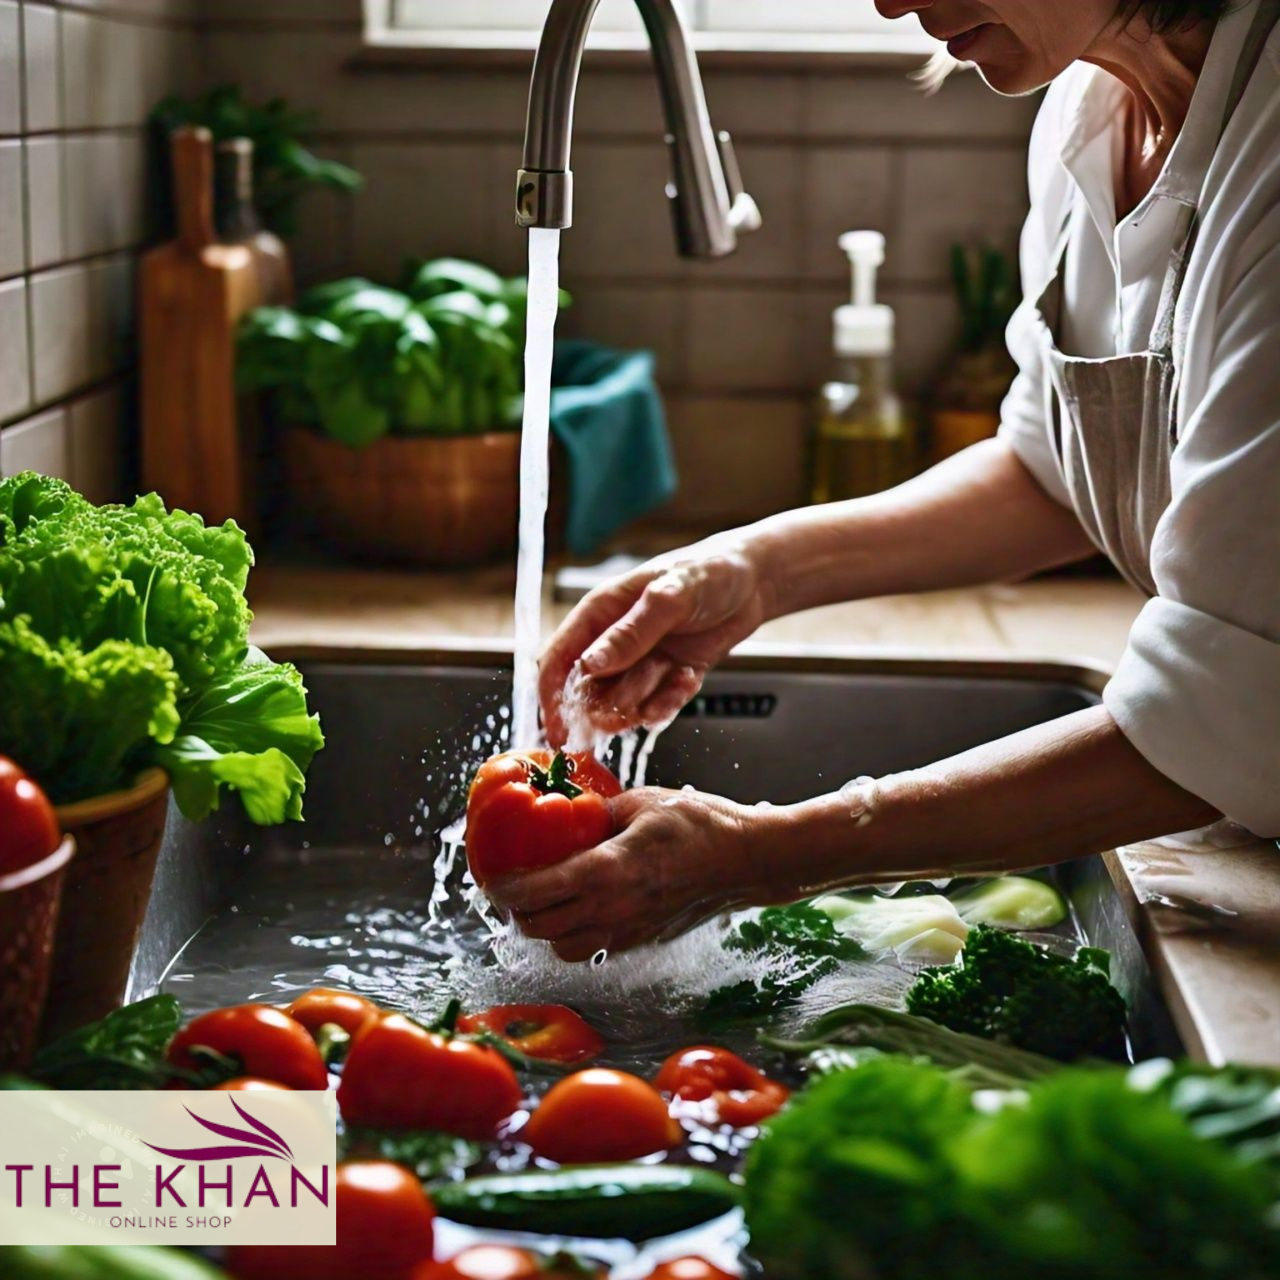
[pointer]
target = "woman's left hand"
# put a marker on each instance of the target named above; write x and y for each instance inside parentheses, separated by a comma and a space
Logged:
(678, 859)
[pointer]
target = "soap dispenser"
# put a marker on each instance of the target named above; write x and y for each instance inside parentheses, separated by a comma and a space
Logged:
(862, 442)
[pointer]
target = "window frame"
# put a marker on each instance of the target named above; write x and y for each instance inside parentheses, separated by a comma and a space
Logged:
(388, 34)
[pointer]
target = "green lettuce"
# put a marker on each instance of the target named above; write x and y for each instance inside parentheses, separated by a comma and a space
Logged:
(250, 731)
(897, 1170)
(74, 718)
(124, 643)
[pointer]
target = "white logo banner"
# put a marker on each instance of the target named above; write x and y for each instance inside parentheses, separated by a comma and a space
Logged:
(176, 1167)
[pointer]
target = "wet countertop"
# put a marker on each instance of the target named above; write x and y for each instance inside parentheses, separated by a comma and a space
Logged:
(1209, 918)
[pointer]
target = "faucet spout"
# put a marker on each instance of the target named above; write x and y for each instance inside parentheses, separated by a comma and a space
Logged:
(709, 206)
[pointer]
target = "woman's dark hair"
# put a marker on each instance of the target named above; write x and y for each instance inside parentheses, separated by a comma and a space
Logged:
(1176, 15)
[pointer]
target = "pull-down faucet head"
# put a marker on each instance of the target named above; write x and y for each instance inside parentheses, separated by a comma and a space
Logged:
(708, 203)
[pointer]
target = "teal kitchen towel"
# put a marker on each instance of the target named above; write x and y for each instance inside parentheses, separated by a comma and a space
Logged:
(607, 413)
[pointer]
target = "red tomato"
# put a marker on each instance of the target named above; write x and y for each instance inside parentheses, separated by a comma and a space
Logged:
(28, 826)
(498, 1262)
(551, 1032)
(251, 1084)
(400, 1075)
(266, 1042)
(386, 1227)
(690, 1269)
(735, 1092)
(530, 809)
(322, 1005)
(600, 1115)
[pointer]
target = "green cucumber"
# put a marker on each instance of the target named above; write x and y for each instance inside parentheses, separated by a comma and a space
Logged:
(102, 1262)
(605, 1201)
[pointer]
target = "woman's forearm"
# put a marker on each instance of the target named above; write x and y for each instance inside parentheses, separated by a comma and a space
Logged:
(1061, 790)
(978, 517)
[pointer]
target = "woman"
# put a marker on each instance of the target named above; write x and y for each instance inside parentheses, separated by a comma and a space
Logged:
(1145, 422)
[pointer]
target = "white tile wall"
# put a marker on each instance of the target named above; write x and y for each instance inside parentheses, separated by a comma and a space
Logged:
(43, 75)
(97, 444)
(114, 71)
(422, 201)
(39, 444)
(744, 340)
(68, 206)
(954, 194)
(60, 332)
(845, 188)
(111, 318)
(15, 358)
(105, 192)
(10, 68)
(13, 221)
(46, 232)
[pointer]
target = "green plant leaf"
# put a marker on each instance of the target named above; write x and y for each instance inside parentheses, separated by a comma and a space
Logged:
(251, 732)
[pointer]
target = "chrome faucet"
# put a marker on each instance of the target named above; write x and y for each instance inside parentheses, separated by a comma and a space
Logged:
(708, 202)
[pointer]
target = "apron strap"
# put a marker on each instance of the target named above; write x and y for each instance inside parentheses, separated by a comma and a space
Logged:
(1188, 231)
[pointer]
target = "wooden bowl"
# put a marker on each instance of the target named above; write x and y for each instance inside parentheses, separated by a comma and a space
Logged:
(431, 500)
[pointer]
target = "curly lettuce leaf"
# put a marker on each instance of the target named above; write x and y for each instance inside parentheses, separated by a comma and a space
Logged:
(249, 731)
(124, 642)
(77, 721)
(136, 573)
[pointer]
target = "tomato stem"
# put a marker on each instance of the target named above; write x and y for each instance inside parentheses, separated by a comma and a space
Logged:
(555, 779)
(333, 1042)
(447, 1023)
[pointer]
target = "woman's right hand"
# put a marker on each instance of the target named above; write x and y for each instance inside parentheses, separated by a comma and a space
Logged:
(642, 644)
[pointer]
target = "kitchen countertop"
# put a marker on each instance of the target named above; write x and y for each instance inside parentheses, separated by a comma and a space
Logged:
(1074, 618)
(1208, 918)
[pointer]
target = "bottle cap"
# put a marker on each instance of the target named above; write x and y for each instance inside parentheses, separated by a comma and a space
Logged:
(864, 327)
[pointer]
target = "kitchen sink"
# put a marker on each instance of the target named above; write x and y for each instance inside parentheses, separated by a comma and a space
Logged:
(358, 895)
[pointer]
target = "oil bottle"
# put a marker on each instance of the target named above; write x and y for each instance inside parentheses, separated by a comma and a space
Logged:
(863, 442)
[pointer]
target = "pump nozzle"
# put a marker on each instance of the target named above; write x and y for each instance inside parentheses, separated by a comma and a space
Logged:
(864, 327)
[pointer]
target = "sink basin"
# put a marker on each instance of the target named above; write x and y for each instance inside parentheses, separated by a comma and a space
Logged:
(345, 898)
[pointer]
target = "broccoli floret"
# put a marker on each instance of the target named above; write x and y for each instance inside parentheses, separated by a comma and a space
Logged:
(1012, 991)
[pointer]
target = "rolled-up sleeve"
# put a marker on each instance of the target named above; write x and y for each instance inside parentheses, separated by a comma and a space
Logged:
(1197, 691)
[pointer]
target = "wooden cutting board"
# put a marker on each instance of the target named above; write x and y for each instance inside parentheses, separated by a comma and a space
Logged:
(192, 294)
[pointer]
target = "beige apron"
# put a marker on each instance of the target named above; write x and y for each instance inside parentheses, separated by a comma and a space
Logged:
(1114, 420)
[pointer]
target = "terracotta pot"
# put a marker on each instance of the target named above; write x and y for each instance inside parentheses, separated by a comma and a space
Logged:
(433, 500)
(104, 899)
(28, 916)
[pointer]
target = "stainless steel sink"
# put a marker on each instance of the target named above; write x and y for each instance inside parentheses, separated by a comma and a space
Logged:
(239, 913)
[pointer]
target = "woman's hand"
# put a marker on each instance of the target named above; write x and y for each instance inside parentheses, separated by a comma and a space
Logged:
(643, 643)
(673, 864)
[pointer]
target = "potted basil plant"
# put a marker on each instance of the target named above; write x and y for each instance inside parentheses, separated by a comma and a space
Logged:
(397, 411)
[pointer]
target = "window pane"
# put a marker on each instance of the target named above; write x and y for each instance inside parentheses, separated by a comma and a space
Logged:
(505, 15)
(802, 15)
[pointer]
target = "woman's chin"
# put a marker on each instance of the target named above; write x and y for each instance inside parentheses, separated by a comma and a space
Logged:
(1010, 80)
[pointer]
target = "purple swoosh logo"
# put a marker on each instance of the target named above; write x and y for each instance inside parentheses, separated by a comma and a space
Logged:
(216, 1153)
(266, 1143)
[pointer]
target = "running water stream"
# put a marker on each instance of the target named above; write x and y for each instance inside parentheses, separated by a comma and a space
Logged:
(544, 302)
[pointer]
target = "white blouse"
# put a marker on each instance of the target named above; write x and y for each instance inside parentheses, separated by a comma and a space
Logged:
(1197, 691)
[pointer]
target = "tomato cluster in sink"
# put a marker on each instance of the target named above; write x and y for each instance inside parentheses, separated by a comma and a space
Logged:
(458, 1076)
